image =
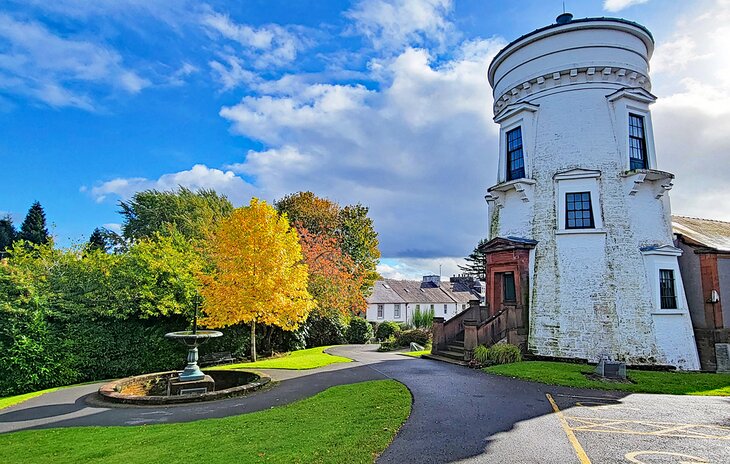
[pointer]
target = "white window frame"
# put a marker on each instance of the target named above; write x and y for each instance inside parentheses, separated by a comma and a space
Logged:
(381, 311)
(656, 259)
(522, 115)
(622, 104)
(396, 311)
(576, 181)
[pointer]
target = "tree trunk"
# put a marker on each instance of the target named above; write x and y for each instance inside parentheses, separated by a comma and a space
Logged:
(253, 341)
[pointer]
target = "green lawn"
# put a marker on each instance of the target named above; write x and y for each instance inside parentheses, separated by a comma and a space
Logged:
(571, 375)
(302, 359)
(350, 423)
(416, 354)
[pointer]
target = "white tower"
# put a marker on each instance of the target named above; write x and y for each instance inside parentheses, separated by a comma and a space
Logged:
(580, 192)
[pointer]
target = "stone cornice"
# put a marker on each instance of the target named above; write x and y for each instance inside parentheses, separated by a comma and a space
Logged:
(584, 75)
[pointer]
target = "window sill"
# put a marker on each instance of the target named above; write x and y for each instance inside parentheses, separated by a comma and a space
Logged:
(581, 232)
(669, 312)
(510, 184)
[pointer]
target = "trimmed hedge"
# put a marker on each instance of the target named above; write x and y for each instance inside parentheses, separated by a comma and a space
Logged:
(420, 336)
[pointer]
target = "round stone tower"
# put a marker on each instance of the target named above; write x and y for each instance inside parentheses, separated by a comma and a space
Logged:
(580, 225)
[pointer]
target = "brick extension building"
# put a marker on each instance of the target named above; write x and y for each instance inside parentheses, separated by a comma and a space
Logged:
(705, 267)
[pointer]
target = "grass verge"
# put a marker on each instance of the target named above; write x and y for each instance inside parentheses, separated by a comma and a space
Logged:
(302, 359)
(416, 354)
(349, 423)
(17, 399)
(13, 400)
(572, 375)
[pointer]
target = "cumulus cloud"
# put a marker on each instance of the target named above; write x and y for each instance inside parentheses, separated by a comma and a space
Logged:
(42, 65)
(266, 46)
(618, 5)
(396, 24)
(416, 268)
(416, 151)
(199, 176)
(690, 118)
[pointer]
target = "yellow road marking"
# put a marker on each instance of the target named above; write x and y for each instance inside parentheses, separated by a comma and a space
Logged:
(664, 429)
(582, 456)
(631, 457)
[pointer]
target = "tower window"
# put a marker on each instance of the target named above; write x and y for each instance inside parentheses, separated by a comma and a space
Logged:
(515, 157)
(578, 211)
(666, 289)
(637, 142)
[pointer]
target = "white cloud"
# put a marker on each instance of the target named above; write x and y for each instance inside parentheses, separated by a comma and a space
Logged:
(113, 226)
(417, 151)
(40, 64)
(264, 47)
(416, 268)
(618, 5)
(396, 24)
(199, 176)
(692, 79)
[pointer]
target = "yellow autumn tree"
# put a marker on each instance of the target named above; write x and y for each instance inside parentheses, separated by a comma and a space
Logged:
(258, 275)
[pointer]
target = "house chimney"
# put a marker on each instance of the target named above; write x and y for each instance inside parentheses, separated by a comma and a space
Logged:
(434, 279)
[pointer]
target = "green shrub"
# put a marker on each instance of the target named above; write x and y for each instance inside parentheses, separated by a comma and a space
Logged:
(504, 353)
(387, 330)
(422, 337)
(359, 331)
(325, 330)
(423, 319)
(389, 345)
(481, 354)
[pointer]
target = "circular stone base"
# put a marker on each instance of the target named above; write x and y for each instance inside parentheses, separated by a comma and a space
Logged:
(151, 389)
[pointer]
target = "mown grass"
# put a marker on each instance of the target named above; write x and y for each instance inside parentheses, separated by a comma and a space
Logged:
(350, 423)
(572, 375)
(302, 359)
(416, 354)
(13, 400)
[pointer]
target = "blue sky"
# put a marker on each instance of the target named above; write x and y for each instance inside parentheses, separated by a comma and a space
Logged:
(374, 101)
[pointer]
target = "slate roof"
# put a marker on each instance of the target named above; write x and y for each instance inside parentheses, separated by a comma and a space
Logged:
(707, 233)
(415, 291)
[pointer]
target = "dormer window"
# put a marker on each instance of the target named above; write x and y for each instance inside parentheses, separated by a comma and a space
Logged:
(637, 142)
(515, 156)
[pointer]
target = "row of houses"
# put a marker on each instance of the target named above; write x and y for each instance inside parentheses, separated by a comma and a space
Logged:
(397, 300)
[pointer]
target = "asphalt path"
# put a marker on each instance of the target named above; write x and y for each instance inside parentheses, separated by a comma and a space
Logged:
(458, 415)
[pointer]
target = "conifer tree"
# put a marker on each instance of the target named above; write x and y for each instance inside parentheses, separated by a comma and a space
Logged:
(475, 262)
(97, 241)
(34, 228)
(8, 234)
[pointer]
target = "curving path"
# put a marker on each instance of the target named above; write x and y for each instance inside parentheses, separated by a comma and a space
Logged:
(458, 414)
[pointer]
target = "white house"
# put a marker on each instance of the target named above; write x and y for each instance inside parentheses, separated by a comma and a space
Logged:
(581, 238)
(396, 300)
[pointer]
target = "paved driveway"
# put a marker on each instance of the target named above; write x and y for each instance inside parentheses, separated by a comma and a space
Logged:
(459, 415)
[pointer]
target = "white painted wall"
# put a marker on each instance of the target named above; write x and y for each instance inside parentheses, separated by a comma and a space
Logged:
(389, 311)
(591, 294)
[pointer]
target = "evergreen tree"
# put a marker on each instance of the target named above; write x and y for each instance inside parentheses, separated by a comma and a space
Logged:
(8, 234)
(34, 228)
(97, 241)
(475, 262)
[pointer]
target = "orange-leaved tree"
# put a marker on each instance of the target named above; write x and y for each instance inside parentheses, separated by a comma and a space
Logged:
(258, 276)
(333, 278)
